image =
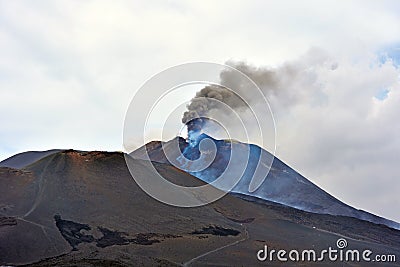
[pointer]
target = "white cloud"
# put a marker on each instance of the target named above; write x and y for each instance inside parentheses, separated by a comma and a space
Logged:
(348, 143)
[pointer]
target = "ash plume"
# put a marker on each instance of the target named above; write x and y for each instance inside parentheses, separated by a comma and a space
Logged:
(202, 103)
(284, 85)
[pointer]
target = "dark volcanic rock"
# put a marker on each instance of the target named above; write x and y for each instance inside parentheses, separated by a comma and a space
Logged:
(72, 232)
(216, 230)
(149, 238)
(145, 239)
(111, 238)
(7, 221)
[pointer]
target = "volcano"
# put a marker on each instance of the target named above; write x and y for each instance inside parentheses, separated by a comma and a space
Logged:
(76, 208)
(23, 159)
(282, 185)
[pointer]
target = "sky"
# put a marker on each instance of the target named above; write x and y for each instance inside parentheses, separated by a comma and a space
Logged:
(69, 69)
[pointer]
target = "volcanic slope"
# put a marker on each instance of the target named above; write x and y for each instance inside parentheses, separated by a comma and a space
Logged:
(23, 159)
(84, 209)
(282, 184)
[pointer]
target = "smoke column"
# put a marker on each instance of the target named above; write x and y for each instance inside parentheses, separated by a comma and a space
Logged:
(284, 86)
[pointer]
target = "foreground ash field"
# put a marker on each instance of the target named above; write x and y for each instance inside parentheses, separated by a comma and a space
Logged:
(75, 208)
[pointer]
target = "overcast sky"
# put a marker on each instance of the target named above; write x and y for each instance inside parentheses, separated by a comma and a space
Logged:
(68, 70)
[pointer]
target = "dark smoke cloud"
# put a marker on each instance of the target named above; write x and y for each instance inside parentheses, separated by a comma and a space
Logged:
(203, 102)
(285, 83)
